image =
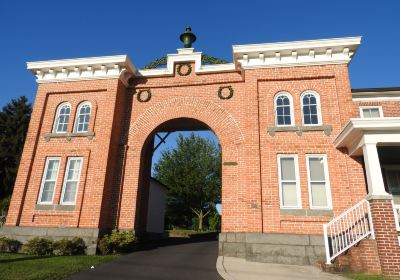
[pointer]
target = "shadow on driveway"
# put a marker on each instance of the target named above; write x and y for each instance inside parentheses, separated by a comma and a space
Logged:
(174, 258)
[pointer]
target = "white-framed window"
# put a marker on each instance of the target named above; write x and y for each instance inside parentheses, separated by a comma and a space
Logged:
(318, 182)
(371, 112)
(62, 118)
(49, 180)
(82, 118)
(289, 183)
(71, 180)
(311, 108)
(284, 115)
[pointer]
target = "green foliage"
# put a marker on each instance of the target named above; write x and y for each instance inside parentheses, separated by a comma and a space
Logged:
(67, 247)
(39, 247)
(192, 172)
(14, 121)
(117, 242)
(205, 59)
(9, 245)
(214, 222)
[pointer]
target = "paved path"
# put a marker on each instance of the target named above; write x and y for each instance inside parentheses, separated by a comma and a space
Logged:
(194, 261)
(240, 269)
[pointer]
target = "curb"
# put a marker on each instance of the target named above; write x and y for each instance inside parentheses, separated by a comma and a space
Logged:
(221, 269)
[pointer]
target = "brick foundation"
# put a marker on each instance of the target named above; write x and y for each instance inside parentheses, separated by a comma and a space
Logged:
(386, 236)
(362, 258)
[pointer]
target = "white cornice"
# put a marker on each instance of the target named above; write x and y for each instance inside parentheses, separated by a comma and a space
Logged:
(376, 95)
(358, 127)
(297, 53)
(91, 68)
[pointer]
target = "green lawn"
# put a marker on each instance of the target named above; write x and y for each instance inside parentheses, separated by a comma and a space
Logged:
(27, 267)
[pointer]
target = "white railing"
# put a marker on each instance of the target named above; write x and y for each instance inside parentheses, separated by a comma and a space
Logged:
(348, 229)
(396, 209)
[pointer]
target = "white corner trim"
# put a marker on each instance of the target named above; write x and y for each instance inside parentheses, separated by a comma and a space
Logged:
(297, 53)
(91, 68)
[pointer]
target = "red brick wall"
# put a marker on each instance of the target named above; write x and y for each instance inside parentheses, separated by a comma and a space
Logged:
(389, 108)
(110, 188)
(386, 236)
(362, 258)
(93, 183)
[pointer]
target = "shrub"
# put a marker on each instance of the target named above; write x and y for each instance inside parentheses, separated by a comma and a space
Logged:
(39, 247)
(214, 222)
(66, 247)
(9, 245)
(117, 242)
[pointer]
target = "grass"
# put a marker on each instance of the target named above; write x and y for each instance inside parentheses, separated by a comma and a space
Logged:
(188, 233)
(27, 267)
(356, 276)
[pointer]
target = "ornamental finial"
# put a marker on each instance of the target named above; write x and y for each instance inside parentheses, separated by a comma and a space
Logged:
(187, 38)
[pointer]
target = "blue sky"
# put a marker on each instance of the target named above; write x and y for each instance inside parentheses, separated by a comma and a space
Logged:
(145, 30)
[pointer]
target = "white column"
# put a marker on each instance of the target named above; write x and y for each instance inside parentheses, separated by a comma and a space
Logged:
(373, 170)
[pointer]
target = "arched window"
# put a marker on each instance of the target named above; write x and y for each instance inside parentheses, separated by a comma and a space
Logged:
(83, 117)
(310, 106)
(283, 109)
(62, 118)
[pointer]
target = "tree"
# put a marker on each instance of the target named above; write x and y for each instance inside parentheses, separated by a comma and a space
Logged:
(192, 172)
(14, 121)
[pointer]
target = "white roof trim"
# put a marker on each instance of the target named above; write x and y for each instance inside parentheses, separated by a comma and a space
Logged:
(370, 96)
(357, 127)
(91, 68)
(297, 53)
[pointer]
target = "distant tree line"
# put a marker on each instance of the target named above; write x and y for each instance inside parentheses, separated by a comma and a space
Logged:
(14, 122)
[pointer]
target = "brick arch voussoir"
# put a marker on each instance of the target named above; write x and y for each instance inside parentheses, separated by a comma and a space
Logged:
(220, 121)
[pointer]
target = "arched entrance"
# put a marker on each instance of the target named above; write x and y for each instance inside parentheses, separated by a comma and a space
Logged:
(150, 196)
(174, 114)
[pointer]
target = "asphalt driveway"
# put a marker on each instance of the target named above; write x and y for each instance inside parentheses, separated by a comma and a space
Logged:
(167, 261)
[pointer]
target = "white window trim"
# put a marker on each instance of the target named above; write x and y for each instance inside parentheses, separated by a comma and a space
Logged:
(298, 189)
(77, 116)
(288, 95)
(39, 200)
(327, 182)
(371, 107)
(317, 97)
(65, 181)
(55, 123)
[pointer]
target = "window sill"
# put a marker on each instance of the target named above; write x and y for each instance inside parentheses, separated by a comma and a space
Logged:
(306, 212)
(327, 129)
(55, 207)
(69, 135)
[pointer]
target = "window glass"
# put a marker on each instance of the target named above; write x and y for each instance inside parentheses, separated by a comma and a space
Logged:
(288, 182)
(71, 181)
(62, 118)
(83, 118)
(49, 180)
(283, 110)
(371, 112)
(310, 109)
(318, 184)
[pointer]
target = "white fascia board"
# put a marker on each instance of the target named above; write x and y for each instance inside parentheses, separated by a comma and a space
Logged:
(308, 44)
(372, 96)
(297, 53)
(357, 127)
(91, 68)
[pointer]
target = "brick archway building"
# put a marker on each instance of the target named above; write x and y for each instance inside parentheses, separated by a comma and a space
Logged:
(294, 145)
